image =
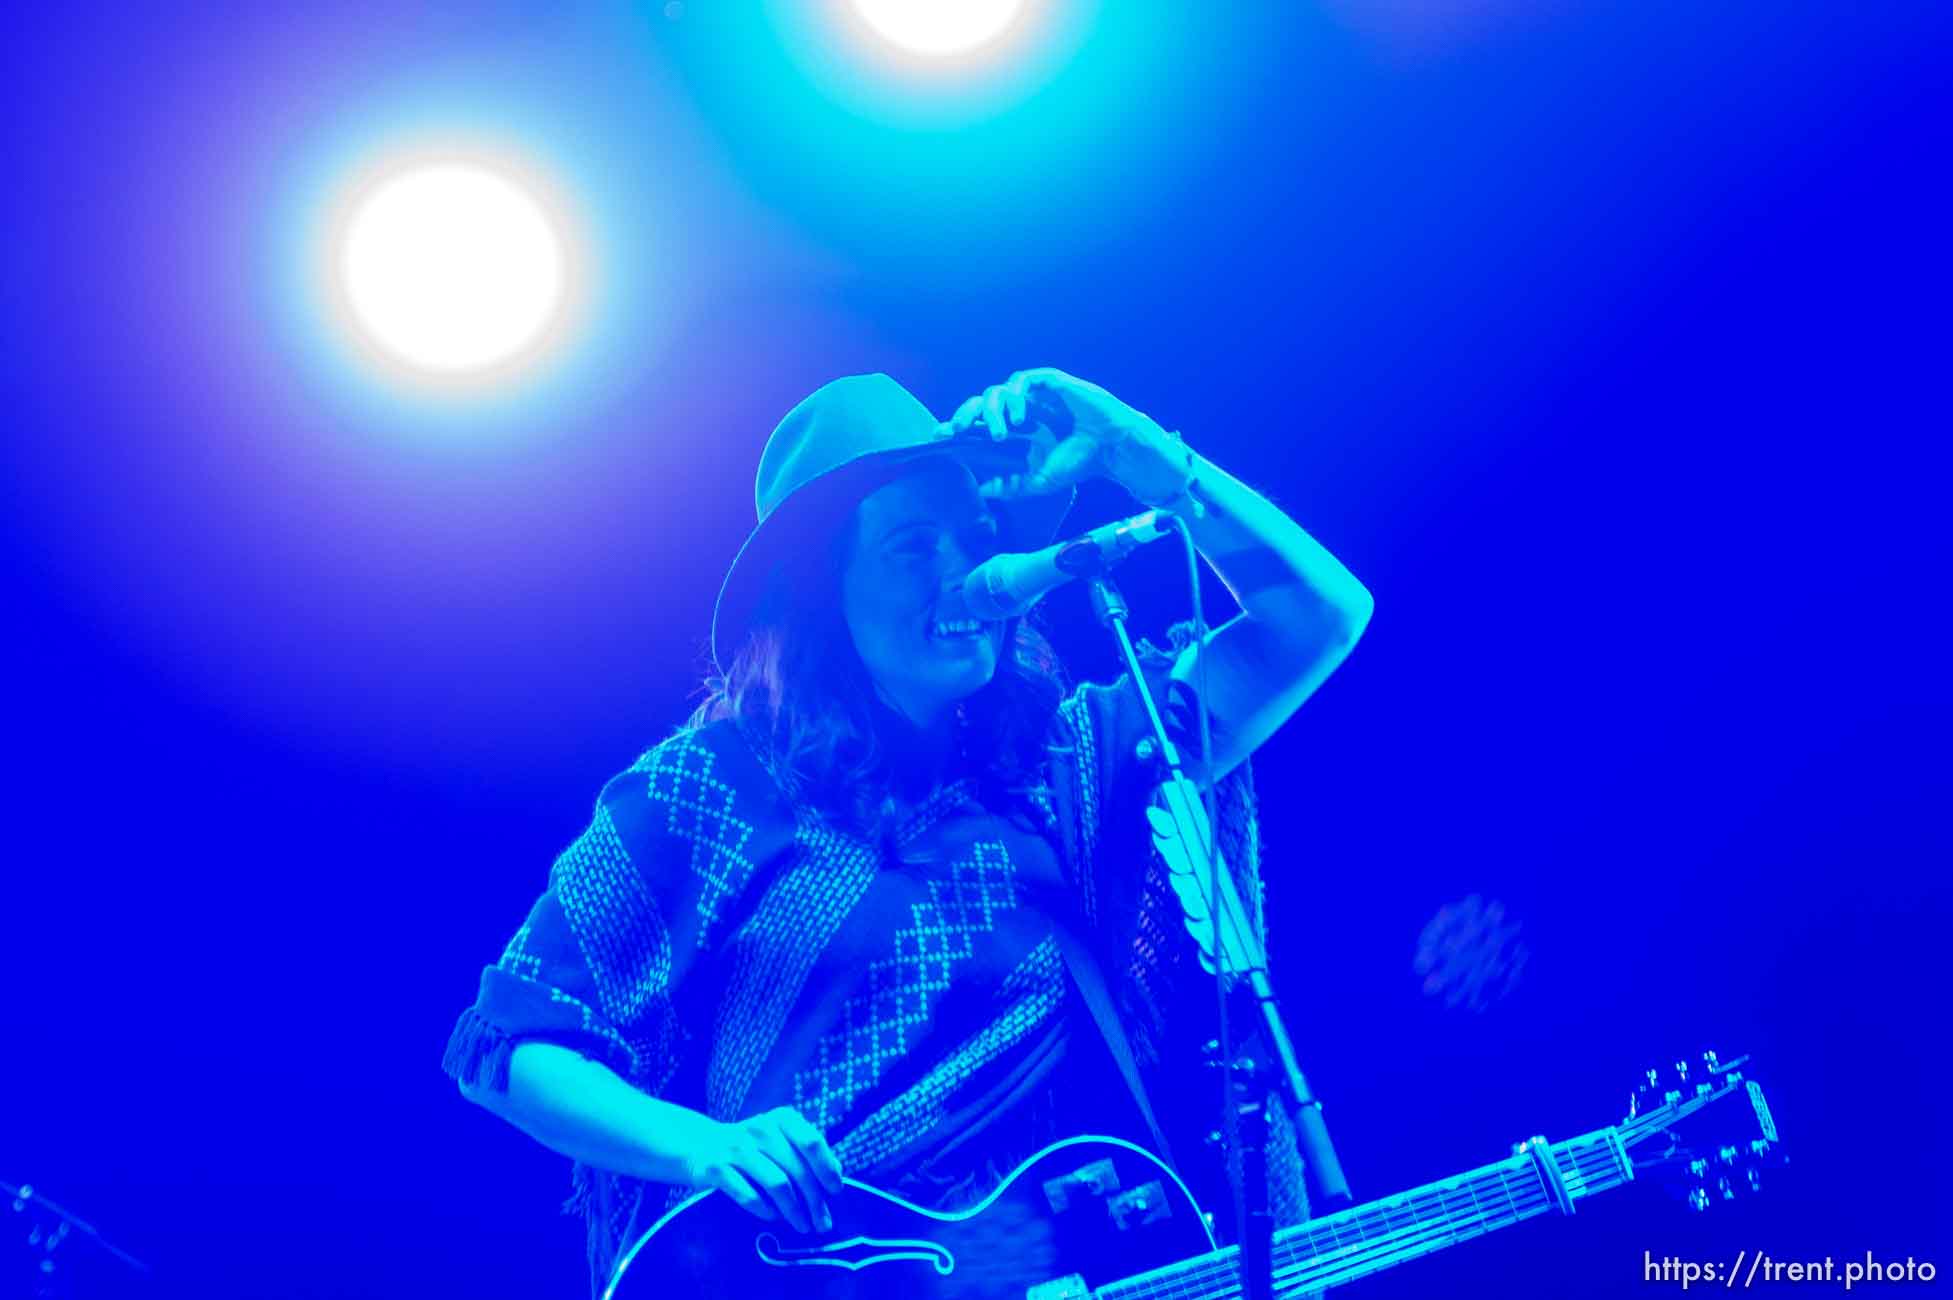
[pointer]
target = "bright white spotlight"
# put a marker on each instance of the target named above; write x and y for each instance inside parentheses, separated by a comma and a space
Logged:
(452, 267)
(939, 27)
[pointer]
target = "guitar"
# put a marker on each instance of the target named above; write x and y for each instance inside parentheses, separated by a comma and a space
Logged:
(1101, 1218)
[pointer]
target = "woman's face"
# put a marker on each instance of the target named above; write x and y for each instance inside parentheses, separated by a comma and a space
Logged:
(913, 542)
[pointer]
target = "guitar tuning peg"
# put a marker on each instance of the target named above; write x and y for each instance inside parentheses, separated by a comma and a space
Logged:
(1682, 1071)
(1709, 1059)
(1699, 1199)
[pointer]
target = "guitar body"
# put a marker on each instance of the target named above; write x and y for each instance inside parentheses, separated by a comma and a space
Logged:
(1098, 1214)
(1079, 1214)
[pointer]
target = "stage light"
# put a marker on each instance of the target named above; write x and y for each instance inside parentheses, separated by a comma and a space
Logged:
(938, 27)
(453, 267)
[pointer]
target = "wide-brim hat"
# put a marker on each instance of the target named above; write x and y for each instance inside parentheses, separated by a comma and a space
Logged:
(843, 441)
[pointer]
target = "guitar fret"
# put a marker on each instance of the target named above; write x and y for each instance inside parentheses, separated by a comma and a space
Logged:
(1505, 1186)
(1403, 1227)
(1405, 1245)
(1478, 1210)
(1595, 1155)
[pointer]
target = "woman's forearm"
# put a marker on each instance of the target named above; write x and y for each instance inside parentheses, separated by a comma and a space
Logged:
(581, 1108)
(1301, 610)
(1282, 578)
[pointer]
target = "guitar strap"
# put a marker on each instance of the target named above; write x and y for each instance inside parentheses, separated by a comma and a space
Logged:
(1086, 973)
(1090, 980)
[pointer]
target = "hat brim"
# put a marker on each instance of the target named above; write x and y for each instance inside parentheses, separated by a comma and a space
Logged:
(819, 505)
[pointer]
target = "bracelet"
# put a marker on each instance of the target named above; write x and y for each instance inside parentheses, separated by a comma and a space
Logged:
(1182, 501)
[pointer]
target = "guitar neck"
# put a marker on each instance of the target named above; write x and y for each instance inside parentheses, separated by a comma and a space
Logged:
(1350, 1244)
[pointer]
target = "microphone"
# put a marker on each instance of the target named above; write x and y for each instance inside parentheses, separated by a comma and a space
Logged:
(1005, 586)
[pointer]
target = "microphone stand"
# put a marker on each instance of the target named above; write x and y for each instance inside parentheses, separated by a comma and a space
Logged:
(1238, 956)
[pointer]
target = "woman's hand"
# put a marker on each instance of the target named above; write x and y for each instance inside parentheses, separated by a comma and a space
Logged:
(775, 1165)
(1078, 431)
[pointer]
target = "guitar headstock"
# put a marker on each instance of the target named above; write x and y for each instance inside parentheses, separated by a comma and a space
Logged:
(1706, 1125)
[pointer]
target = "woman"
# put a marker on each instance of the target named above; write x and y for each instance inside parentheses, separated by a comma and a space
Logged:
(816, 930)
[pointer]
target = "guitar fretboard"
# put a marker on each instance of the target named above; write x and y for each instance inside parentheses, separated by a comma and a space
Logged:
(1341, 1247)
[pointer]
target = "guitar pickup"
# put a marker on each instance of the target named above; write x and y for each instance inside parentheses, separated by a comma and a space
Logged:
(1146, 1203)
(1095, 1179)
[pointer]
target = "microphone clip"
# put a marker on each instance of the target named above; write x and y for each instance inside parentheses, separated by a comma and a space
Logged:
(1100, 551)
(1085, 558)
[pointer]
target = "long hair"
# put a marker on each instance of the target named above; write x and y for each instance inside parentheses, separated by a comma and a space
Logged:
(798, 691)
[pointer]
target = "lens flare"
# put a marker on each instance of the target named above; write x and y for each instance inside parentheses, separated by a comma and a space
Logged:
(453, 267)
(938, 27)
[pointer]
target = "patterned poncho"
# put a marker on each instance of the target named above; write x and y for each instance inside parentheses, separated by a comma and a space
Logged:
(716, 946)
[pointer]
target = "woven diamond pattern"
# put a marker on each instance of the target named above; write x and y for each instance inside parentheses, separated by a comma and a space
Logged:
(900, 989)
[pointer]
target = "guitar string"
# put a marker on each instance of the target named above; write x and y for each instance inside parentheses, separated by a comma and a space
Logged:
(1221, 1267)
(1590, 1157)
(1338, 1269)
(1451, 1222)
(1589, 1160)
(1221, 1277)
(1432, 1216)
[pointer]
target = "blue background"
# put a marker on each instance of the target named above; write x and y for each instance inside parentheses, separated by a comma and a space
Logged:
(1605, 341)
